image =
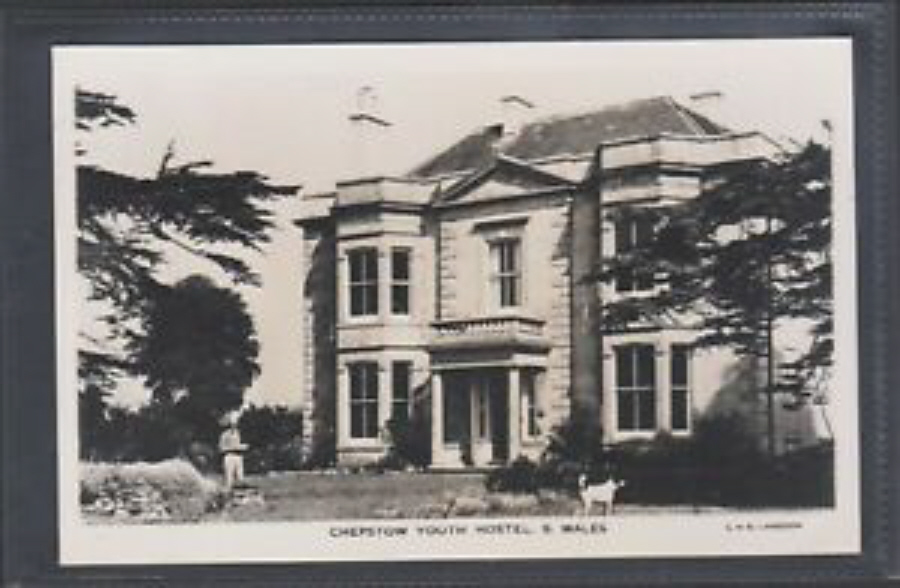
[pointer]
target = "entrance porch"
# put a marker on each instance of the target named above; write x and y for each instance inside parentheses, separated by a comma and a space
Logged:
(486, 382)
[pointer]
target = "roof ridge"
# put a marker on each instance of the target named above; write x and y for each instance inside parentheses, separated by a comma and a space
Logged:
(684, 114)
(594, 110)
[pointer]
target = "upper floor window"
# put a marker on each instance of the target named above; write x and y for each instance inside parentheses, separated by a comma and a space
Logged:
(363, 400)
(363, 282)
(681, 392)
(506, 272)
(636, 387)
(401, 372)
(400, 280)
(633, 232)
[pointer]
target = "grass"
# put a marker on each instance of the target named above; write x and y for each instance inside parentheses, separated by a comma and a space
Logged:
(309, 496)
(305, 496)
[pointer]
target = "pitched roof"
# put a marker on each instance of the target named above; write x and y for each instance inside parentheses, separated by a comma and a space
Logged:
(571, 134)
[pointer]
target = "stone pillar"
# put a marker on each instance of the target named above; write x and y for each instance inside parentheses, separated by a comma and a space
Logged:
(663, 383)
(437, 419)
(343, 407)
(514, 413)
(610, 397)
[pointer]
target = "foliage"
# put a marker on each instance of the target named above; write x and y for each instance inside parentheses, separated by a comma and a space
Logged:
(750, 251)
(721, 464)
(200, 348)
(274, 437)
(520, 477)
(186, 494)
(127, 223)
(409, 443)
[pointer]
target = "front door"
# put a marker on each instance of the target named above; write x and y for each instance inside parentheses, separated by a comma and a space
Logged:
(498, 414)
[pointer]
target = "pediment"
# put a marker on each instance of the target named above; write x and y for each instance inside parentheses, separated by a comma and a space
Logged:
(504, 178)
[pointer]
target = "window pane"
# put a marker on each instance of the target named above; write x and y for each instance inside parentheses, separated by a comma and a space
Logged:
(370, 271)
(646, 366)
(357, 429)
(356, 266)
(371, 299)
(679, 365)
(647, 410)
(371, 387)
(400, 264)
(624, 367)
(356, 301)
(626, 411)
(371, 420)
(680, 410)
(400, 299)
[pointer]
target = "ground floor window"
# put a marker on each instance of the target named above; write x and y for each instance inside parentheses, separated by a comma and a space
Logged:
(681, 392)
(363, 400)
(636, 387)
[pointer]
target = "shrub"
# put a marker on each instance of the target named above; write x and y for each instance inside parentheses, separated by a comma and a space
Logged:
(409, 443)
(720, 464)
(520, 477)
(184, 493)
(274, 437)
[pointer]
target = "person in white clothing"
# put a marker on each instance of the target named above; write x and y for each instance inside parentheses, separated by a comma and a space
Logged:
(232, 455)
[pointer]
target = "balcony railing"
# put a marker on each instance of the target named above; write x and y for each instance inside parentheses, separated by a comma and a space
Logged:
(489, 331)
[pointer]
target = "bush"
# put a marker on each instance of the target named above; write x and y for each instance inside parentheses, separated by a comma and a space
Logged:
(409, 444)
(520, 477)
(274, 437)
(720, 464)
(137, 489)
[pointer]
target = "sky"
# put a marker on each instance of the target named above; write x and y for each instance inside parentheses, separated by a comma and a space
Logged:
(283, 111)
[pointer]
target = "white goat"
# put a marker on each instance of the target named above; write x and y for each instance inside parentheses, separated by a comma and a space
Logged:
(603, 494)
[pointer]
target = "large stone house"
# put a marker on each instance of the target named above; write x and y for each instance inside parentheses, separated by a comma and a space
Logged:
(463, 288)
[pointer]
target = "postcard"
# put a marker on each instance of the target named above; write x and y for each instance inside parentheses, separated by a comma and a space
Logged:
(397, 302)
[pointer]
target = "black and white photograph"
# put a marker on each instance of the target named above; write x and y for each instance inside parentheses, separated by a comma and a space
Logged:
(456, 301)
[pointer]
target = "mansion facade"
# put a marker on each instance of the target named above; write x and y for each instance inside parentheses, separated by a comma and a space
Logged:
(464, 292)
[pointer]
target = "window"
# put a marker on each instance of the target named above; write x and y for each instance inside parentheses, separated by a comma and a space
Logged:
(636, 387)
(506, 274)
(681, 394)
(633, 232)
(400, 276)
(400, 387)
(529, 404)
(363, 400)
(363, 281)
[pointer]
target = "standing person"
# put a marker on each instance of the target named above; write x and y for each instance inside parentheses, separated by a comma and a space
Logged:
(232, 454)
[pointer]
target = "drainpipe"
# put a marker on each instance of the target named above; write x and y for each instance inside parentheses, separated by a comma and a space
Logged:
(587, 347)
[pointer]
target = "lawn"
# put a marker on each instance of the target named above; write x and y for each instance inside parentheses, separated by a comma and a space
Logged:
(306, 496)
(303, 496)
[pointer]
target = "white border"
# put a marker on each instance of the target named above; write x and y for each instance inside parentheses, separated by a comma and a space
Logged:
(831, 531)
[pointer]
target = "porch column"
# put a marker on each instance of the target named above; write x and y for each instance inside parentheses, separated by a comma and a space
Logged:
(437, 419)
(514, 413)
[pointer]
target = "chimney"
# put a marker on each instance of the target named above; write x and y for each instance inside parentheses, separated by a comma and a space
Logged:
(515, 110)
(369, 134)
